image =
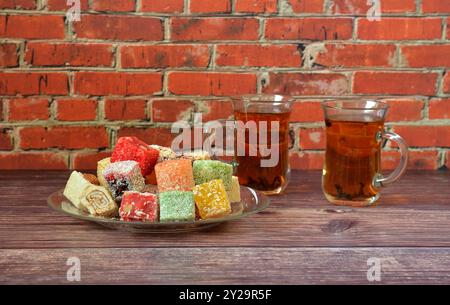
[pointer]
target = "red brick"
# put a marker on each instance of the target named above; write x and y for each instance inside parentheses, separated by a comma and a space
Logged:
(69, 54)
(426, 55)
(166, 110)
(309, 6)
(307, 160)
(424, 160)
(122, 110)
(87, 161)
(63, 137)
(439, 109)
(28, 109)
(113, 83)
(61, 5)
(18, 4)
(32, 26)
(356, 55)
(309, 28)
(256, 6)
(114, 5)
(389, 159)
(1, 110)
(435, 6)
(206, 83)
(128, 28)
(32, 83)
(258, 55)
(418, 160)
(162, 6)
(404, 110)
(446, 85)
(360, 7)
(163, 56)
(33, 161)
(206, 6)
(8, 55)
(212, 110)
(5, 139)
(307, 111)
(400, 29)
(402, 83)
(306, 84)
(312, 138)
(425, 136)
(201, 29)
(157, 135)
(76, 110)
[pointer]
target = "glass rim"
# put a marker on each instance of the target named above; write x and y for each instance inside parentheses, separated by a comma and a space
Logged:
(263, 98)
(332, 105)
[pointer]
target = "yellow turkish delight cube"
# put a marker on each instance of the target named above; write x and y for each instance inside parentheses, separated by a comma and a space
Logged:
(211, 199)
(234, 195)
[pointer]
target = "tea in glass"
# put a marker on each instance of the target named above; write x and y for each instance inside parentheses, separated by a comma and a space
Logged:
(352, 169)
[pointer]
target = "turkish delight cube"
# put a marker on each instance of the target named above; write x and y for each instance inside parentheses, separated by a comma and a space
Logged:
(165, 153)
(123, 176)
(137, 206)
(207, 170)
(131, 148)
(196, 155)
(174, 175)
(234, 194)
(211, 199)
(176, 206)
(101, 166)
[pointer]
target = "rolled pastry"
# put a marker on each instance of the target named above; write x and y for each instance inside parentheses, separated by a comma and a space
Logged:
(89, 197)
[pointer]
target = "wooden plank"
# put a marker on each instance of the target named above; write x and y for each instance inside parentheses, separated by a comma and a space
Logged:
(414, 212)
(227, 266)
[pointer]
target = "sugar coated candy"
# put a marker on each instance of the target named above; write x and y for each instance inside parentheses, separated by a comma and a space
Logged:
(174, 175)
(234, 194)
(101, 166)
(131, 148)
(176, 206)
(123, 176)
(165, 153)
(89, 197)
(137, 206)
(196, 155)
(211, 199)
(207, 170)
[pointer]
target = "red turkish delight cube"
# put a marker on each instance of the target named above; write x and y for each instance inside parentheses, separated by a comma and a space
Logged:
(139, 207)
(131, 148)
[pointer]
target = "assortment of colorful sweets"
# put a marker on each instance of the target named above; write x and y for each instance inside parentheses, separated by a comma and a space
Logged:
(190, 186)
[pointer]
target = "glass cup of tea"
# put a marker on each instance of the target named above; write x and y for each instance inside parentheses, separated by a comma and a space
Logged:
(262, 142)
(355, 135)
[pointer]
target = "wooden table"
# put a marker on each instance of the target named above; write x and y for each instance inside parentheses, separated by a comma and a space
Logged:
(300, 239)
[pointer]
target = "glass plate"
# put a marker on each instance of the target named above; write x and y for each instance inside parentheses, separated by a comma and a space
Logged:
(251, 202)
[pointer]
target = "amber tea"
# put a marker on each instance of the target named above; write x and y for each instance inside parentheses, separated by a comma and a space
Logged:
(352, 169)
(352, 159)
(271, 120)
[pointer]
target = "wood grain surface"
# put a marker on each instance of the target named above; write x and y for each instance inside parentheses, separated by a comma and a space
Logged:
(300, 239)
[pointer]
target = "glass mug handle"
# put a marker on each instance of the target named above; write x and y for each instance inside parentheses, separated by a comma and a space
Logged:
(391, 136)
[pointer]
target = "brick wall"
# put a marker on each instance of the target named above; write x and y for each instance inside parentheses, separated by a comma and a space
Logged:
(131, 67)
